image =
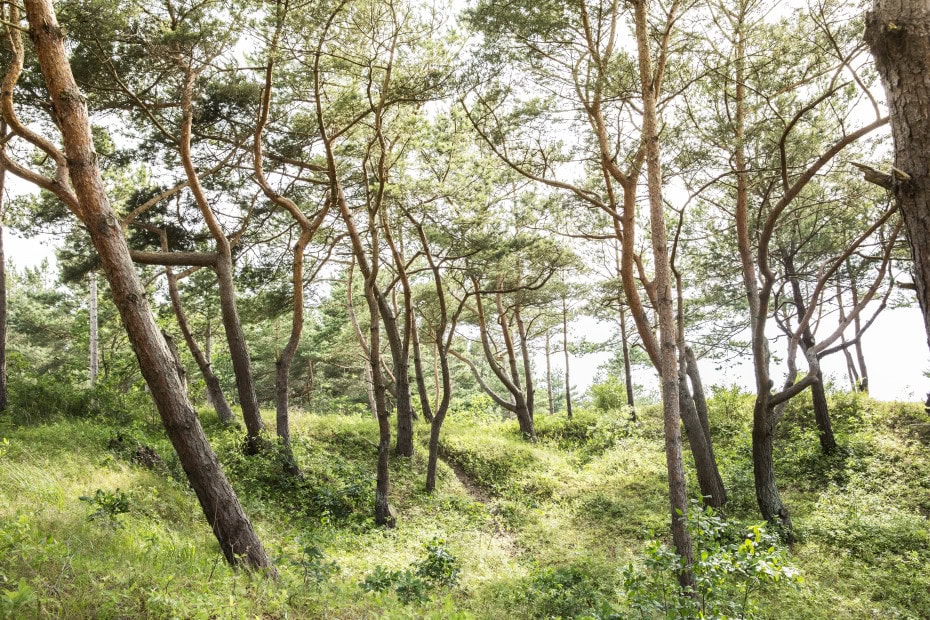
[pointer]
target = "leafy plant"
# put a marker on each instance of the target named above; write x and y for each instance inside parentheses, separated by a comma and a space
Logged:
(109, 504)
(731, 566)
(413, 584)
(316, 569)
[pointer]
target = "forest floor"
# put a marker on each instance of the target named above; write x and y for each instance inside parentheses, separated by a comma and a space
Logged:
(97, 522)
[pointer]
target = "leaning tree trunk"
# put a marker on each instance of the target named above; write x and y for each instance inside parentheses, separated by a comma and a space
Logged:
(712, 489)
(3, 397)
(898, 33)
(232, 528)
(436, 425)
(238, 352)
(215, 396)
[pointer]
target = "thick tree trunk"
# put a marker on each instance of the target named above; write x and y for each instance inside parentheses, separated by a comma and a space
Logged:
(230, 525)
(215, 396)
(898, 33)
(3, 394)
(94, 358)
(767, 495)
(712, 489)
(678, 496)
(525, 419)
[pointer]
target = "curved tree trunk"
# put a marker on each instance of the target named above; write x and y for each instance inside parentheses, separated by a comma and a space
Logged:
(215, 395)
(3, 394)
(898, 33)
(232, 528)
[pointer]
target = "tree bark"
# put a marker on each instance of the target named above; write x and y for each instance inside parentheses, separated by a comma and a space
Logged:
(94, 359)
(898, 34)
(627, 371)
(3, 394)
(215, 396)
(239, 353)
(818, 394)
(712, 489)
(232, 528)
(549, 375)
(568, 383)
(678, 497)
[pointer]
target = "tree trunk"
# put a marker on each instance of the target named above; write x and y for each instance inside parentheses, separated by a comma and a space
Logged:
(436, 425)
(3, 394)
(898, 33)
(568, 383)
(767, 495)
(678, 496)
(419, 374)
(232, 528)
(239, 353)
(549, 375)
(819, 396)
(712, 489)
(627, 371)
(94, 358)
(215, 395)
(383, 513)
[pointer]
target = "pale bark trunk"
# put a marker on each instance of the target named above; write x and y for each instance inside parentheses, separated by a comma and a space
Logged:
(678, 497)
(230, 525)
(94, 359)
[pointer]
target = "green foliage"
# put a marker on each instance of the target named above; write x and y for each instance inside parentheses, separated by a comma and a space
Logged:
(13, 601)
(608, 395)
(439, 569)
(569, 591)
(34, 399)
(588, 433)
(731, 566)
(108, 504)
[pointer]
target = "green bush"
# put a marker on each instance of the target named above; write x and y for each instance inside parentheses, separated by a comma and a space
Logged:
(731, 566)
(43, 399)
(439, 569)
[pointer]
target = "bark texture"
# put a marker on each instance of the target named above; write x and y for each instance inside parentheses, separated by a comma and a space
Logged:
(898, 34)
(232, 528)
(678, 497)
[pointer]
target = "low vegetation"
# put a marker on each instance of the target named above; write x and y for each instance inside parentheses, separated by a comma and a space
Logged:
(574, 526)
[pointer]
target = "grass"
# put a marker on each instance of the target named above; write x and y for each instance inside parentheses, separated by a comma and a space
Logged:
(540, 530)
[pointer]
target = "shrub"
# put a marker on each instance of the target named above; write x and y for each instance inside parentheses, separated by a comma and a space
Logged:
(730, 567)
(439, 569)
(109, 504)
